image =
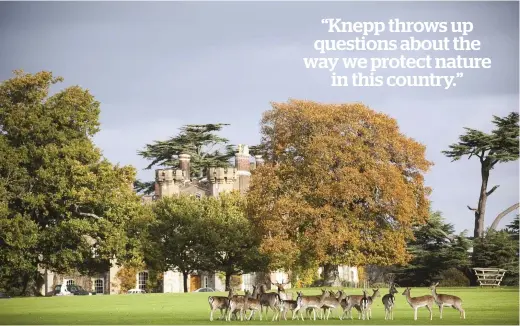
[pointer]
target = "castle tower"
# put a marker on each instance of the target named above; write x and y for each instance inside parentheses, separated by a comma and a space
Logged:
(243, 168)
(167, 182)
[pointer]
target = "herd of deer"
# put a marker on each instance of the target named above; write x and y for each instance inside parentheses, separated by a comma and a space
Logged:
(328, 301)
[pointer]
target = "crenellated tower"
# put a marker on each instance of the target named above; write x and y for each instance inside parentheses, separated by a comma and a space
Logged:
(172, 182)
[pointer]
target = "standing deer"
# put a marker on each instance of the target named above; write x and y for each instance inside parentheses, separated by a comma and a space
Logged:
(286, 305)
(333, 301)
(418, 302)
(252, 303)
(346, 305)
(447, 300)
(314, 302)
(221, 303)
(236, 303)
(280, 287)
(269, 300)
(388, 302)
(355, 302)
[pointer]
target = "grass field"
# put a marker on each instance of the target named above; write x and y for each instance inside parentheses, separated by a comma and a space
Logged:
(483, 306)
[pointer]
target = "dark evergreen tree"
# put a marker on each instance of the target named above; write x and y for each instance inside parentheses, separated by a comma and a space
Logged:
(501, 145)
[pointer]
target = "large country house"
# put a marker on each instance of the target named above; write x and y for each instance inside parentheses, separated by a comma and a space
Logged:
(172, 182)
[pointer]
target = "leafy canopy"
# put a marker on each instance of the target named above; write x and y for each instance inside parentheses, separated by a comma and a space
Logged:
(501, 145)
(344, 185)
(63, 206)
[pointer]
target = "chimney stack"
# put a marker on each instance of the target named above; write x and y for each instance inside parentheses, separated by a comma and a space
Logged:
(184, 160)
(259, 160)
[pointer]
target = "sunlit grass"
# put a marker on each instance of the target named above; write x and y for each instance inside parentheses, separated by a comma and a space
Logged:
(483, 306)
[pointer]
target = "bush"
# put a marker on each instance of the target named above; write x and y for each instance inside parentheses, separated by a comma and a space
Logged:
(453, 277)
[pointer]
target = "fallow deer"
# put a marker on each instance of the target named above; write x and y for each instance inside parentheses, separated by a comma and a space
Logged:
(269, 300)
(418, 302)
(280, 288)
(363, 305)
(221, 303)
(253, 304)
(236, 304)
(447, 300)
(346, 306)
(333, 301)
(389, 302)
(286, 305)
(314, 302)
(355, 301)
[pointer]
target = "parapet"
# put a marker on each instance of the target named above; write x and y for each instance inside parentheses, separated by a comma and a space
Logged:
(168, 175)
(222, 175)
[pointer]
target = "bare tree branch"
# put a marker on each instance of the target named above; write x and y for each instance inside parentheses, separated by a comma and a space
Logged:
(472, 209)
(492, 189)
(76, 209)
(504, 213)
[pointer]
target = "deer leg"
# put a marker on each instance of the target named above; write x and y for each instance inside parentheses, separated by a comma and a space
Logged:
(441, 307)
(431, 312)
(415, 314)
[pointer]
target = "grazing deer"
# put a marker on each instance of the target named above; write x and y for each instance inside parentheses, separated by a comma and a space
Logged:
(388, 302)
(363, 305)
(221, 303)
(418, 302)
(333, 301)
(314, 302)
(269, 300)
(253, 304)
(447, 300)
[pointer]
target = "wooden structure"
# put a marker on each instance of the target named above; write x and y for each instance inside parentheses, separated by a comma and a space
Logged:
(489, 276)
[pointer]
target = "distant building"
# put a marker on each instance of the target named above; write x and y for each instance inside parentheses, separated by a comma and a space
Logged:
(172, 182)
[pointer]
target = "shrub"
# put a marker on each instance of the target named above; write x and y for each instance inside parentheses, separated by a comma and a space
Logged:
(453, 277)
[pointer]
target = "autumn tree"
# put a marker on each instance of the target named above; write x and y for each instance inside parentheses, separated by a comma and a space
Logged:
(201, 142)
(499, 146)
(342, 185)
(63, 206)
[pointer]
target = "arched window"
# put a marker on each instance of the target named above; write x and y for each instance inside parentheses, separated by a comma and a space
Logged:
(98, 286)
(70, 282)
(143, 279)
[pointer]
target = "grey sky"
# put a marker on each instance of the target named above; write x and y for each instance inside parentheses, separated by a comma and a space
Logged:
(157, 66)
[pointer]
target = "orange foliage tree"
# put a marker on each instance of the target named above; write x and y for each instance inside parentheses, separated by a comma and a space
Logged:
(341, 185)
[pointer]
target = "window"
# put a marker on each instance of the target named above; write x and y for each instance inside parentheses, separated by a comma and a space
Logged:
(143, 279)
(70, 282)
(206, 281)
(98, 286)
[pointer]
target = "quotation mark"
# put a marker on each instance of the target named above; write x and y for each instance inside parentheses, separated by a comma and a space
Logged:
(326, 20)
(460, 74)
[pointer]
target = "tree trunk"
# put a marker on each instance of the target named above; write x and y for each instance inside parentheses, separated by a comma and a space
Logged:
(329, 274)
(185, 281)
(481, 209)
(228, 281)
(25, 283)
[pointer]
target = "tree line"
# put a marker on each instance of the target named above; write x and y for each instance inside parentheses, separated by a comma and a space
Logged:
(341, 185)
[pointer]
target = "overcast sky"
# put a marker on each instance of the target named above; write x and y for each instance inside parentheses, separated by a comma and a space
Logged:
(157, 66)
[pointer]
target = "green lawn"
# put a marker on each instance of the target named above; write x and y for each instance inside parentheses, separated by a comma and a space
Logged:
(483, 306)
